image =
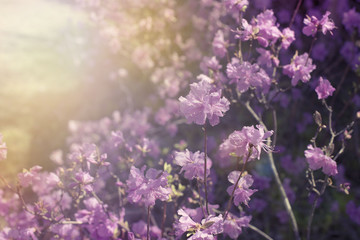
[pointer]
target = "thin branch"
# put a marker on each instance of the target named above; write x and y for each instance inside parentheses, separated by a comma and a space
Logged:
(276, 175)
(255, 229)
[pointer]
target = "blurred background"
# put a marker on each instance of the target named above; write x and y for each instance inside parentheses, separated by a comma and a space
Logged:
(52, 70)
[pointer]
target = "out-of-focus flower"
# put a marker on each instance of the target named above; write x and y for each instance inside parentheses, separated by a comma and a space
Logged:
(351, 20)
(235, 6)
(3, 149)
(192, 164)
(353, 212)
(324, 89)
(219, 44)
(27, 177)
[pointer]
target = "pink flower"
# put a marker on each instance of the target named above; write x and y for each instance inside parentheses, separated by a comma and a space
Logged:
(233, 225)
(324, 89)
(246, 75)
(3, 149)
(242, 192)
(27, 177)
(240, 142)
(317, 159)
(235, 6)
(299, 69)
(219, 44)
(288, 36)
(146, 189)
(313, 25)
(192, 164)
(205, 230)
(203, 102)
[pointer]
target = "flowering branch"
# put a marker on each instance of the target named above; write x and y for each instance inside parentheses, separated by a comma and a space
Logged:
(276, 174)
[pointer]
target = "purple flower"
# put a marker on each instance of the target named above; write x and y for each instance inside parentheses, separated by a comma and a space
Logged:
(320, 51)
(351, 20)
(268, 30)
(240, 142)
(242, 192)
(210, 64)
(317, 159)
(299, 68)
(313, 25)
(233, 225)
(3, 149)
(203, 102)
(117, 138)
(353, 212)
(235, 6)
(288, 36)
(140, 229)
(206, 229)
(324, 89)
(27, 177)
(246, 75)
(219, 44)
(146, 189)
(192, 164)
(265, 58)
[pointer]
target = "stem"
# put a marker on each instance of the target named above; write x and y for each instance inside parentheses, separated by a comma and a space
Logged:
(205, 173)
(255, 229)
(295, 12)
(236, 184)
(276, 175)
(163, 220)
(148, 224)
(314, 207)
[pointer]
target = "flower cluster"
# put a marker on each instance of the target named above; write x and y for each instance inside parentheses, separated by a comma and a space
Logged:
(146, 189)
(247, 140)
(203, 102)
(317, 159)
(192, 164)
(313, 25)
(242, 191)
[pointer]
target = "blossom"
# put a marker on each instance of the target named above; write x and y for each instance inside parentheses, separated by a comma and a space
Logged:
(233, 225)
(219, 44)
(324, 89)
(206, 229)
(353, 211)
(288, 36)
(268, 30)
(28, 177)
(235, 6)
(299, 68)
(146, 189)
(3, 149)
(351, 20)
(203, 102)
(242, 192)
(240, 142)
(192, 164)
(246, 75)
(313, 25)
(317, 159)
